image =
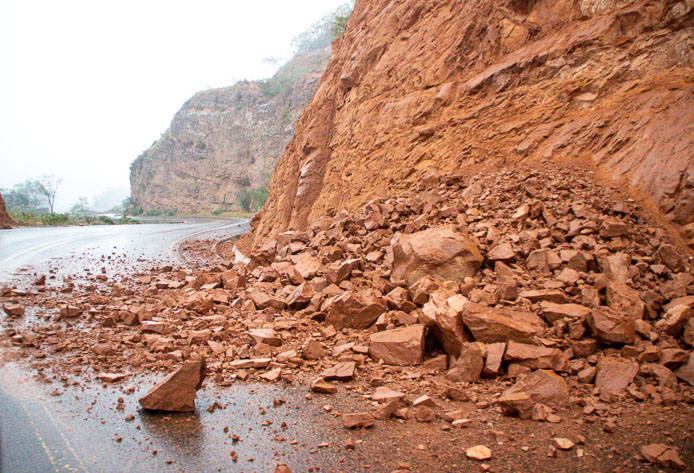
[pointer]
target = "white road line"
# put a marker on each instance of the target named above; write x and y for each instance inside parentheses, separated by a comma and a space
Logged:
(33, 249)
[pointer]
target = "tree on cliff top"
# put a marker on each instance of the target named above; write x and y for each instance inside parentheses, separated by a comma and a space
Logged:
(324, 31)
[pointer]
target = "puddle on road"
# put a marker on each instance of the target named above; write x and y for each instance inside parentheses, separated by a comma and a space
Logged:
(296, 432)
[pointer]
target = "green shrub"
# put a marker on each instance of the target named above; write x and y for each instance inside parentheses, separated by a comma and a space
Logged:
(106, 220)
(245, 199)
(55, 219)
(125, 220)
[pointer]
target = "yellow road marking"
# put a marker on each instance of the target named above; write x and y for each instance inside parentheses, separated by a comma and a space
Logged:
(38, 436)
(67, 442)
(47, 449)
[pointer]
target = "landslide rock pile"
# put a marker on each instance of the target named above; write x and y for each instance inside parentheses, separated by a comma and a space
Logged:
(534, 274)
(5, 220)
(475, 85)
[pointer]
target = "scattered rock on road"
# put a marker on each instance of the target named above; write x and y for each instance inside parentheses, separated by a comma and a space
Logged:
(177, 391)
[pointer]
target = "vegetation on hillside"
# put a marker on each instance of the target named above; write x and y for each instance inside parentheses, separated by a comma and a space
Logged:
(252, 199)
(324, 31)
(318, 36)
(33, 195)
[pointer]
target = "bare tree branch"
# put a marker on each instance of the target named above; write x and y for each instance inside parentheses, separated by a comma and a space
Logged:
(47, 185)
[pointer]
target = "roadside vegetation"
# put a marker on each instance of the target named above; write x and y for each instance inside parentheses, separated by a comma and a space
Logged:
(32, 203)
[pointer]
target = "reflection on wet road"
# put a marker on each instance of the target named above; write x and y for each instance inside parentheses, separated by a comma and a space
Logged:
(79, 431)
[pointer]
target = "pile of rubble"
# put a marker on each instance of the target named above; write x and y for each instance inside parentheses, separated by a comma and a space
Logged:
(540, 276)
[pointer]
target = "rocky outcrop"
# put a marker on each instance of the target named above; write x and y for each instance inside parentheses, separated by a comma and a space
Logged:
(224, 140)
(5, 220)
(418, 88)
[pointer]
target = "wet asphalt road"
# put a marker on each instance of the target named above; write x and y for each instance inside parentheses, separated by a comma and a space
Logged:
(78, 430)
(73, 250)
(40, 433)
(72, 425)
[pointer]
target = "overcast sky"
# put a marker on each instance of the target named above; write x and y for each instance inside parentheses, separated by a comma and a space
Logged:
(86, 86)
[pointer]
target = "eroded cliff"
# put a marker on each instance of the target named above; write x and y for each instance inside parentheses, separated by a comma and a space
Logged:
(224, 140)
(5, 220)
(448, 87)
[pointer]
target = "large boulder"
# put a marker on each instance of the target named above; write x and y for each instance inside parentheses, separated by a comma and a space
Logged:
(354, 310)
(445, 318)
(535, 356)
(400, 346)
(541, 386)
(609, 327)
(441, 251)
(686, 371)
(615, 374)
(468, 367)
(489, 325)
(177, 391)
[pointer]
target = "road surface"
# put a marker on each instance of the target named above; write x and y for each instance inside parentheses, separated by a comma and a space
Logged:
(72, 250)
(82, 430)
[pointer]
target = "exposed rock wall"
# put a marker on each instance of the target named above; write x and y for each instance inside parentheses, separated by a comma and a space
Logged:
(5, 220)
(416, 87)
(223, 140)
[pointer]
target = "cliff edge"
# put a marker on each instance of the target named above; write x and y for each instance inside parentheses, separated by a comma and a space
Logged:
(225, 140)
(5, 220)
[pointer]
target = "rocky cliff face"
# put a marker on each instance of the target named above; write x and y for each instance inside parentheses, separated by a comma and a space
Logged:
(447, 87)
(224, 140)
(5, 220)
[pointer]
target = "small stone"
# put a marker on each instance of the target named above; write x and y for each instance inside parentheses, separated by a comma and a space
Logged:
(424, 414)
(479, 453)
(384, 394)
(358, 420)
(13, 310)
(110, 377)
(614, 374)
(272, 375)
(265, 335)
(282, 468)
(424, 401)
(322, 386)
(562, 443)
(400, 346)
(662, 455)
(343, 371)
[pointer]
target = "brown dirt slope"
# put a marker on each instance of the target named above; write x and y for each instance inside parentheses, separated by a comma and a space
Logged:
(419, 87)
(5, 220)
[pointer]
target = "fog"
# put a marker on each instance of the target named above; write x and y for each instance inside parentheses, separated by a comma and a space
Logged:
(86, 86)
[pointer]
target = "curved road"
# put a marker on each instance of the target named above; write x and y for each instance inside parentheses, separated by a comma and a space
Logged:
(25, 250)
(82, 429)
(36, 434)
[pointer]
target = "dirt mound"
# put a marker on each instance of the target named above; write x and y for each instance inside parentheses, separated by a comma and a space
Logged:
(5, 220)
(416, 87)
